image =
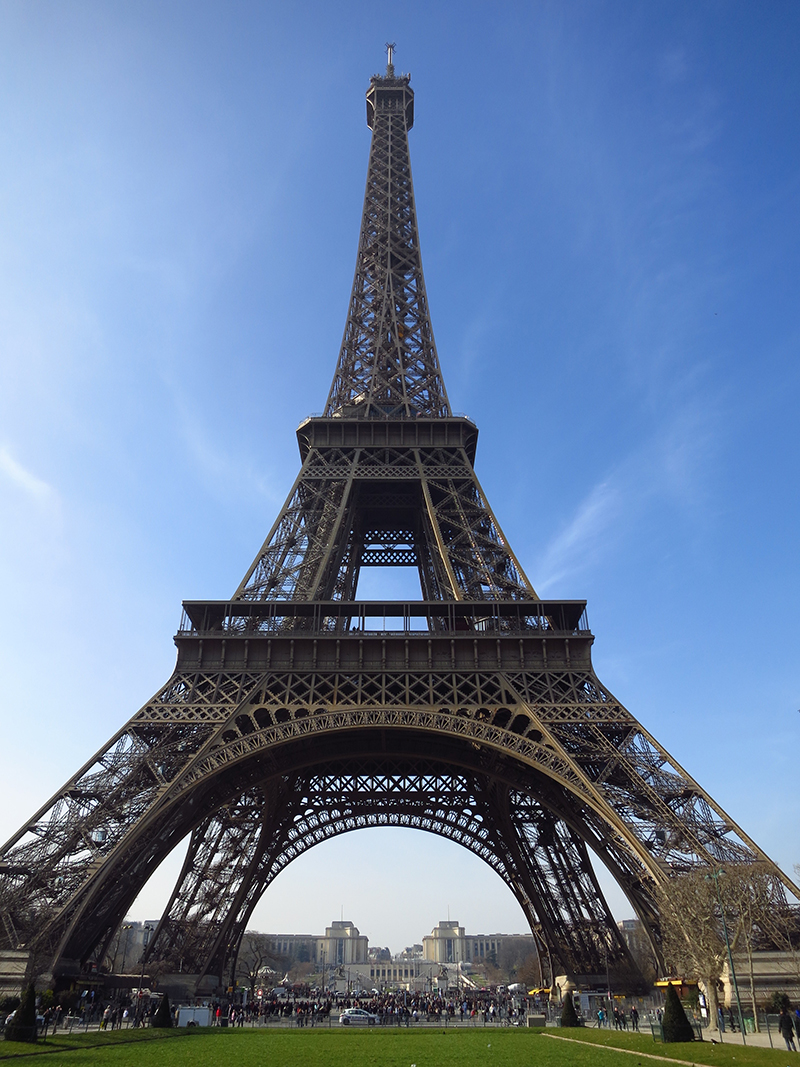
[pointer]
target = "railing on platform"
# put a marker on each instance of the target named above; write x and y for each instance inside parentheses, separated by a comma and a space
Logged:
(415, 617)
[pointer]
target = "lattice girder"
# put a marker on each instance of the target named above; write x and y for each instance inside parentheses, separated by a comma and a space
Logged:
(315, 550)
(219, 874)
(644, 823)
(460, 806)
(388, 366)
(294, 674)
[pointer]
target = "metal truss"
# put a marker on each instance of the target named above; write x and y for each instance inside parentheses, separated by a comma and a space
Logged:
(189, 761)
(388, 365)
(207, 915)
(296, 712)
(348, 506)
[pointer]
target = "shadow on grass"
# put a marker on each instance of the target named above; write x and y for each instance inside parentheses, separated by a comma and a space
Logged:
(697, 1052)
(60, 1043)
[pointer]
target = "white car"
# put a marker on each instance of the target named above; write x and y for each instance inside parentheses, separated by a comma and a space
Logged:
(357, 1017)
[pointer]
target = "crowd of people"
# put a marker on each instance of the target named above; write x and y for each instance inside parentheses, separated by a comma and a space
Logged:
(306, 1007)
(620, 1019)
(113, 1015)
(391, 1009)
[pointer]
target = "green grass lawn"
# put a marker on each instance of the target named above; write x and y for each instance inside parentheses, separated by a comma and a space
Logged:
(375, 1048)
(731, 1054)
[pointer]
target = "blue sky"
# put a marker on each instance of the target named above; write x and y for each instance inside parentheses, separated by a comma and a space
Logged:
(608, 202)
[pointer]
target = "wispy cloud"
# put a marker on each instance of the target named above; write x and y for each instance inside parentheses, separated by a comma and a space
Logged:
(226, 475)
(477, 336)
(584, 537)
(668, 470)
(674, 65)
(33, 487)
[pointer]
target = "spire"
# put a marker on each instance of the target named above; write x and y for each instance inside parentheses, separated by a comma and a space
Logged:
(388, 367)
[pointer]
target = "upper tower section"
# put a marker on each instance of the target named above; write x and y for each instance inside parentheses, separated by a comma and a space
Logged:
(388, 366)
(390, 93)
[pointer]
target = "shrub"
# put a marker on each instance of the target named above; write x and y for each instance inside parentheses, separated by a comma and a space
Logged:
(777, 1002)
(69, 1001)
(675, 1025)
(162, 1020)
(569, 1017)
(23, 1026)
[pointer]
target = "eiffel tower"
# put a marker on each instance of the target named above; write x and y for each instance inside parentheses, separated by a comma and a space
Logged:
(297, 712)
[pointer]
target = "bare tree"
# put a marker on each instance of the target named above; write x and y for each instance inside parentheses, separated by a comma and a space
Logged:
(756, 902)
(492, 973)
(756, 915)
(530, 970)
(299, 971)
(255, 960)
(512, 955)
(692, 939)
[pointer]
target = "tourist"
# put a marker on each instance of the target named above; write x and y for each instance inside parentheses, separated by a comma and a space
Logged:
(786, 1028)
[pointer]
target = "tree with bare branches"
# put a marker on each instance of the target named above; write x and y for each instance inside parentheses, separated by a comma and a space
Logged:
(692, 938)
(760, 916)
(255, 959)
(756, 914)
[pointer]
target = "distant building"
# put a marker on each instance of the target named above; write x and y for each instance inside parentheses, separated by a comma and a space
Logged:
(299, 947)
(345, 961)
(377, 954)
(341, 945)
(448, 943)
(393, 974)
(635, 937)
(411, 952)
(124, 954)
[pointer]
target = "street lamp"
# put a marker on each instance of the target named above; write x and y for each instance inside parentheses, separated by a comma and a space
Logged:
(608, 985)
(127, 928)
(714, 876)
(146, 930)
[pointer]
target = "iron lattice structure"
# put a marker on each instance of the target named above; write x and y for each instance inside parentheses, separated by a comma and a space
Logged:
(297, 712)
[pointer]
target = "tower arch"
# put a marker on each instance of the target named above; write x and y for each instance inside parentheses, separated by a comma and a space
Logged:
(480, 688)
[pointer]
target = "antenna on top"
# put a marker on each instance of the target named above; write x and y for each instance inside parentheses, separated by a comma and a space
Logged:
(390, 59)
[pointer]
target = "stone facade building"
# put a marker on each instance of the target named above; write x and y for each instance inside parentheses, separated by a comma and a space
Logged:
(448, 943)
(341, 945)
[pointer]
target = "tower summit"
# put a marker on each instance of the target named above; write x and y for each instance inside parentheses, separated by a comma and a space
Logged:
(388, 366)
(297, 711)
